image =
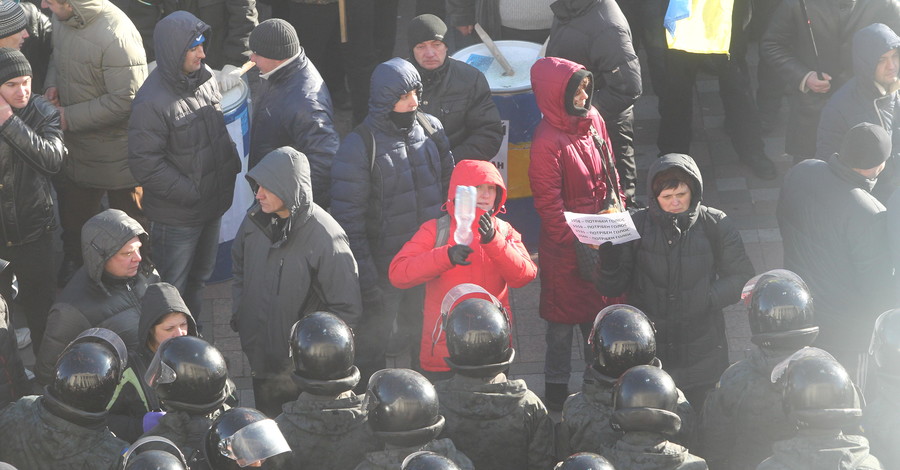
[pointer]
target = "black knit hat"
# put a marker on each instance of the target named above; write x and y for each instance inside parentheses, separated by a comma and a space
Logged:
(425, 28)
(12, 64)
(865, 146)
(12, 18)
(275, 39)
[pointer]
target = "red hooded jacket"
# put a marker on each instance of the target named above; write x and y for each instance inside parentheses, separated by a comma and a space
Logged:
(495, 266)
(566, 174)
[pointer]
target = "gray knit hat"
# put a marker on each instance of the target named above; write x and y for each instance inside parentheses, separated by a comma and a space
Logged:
(425, 28)
(13, 64)
(12, 18)
(865, 146)
(275, 39)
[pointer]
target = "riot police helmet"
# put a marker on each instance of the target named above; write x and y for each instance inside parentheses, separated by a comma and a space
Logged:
(241, 437)
(402, 407)
(584, 461)
(884, 350)
(425, 460)
(818, 393)
(322, 350)
(644, 399)
(189, 375)
(781, 312)
(478, 338)
(622, 337)
(88, 371)
(154, 453)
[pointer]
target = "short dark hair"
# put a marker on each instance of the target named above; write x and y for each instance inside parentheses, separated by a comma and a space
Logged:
(670, 178)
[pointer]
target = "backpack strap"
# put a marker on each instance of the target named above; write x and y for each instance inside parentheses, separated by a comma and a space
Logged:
(443, 231)
(426, 124)
(368, 139)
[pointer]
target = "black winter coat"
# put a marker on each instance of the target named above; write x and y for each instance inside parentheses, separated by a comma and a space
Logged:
(293, 108)
(459, 95)
(595, 33)
(382, 206)
(38, 46)
(835, 239)
(682, 272)
(13, 382)
(178, 147)
(31, 150)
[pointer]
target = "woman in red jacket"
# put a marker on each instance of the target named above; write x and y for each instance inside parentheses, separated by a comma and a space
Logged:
(496, 259)
(567, 173)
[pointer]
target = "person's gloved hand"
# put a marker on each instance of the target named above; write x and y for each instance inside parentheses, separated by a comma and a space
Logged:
(228, 77)
(458, 254)
(486, 227)
(233, 323)
(151, 419)
(609, 255)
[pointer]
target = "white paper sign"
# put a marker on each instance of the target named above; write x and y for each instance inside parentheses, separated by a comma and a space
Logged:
(596, 229)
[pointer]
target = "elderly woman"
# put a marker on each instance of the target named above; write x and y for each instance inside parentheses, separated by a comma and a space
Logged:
(688, 264)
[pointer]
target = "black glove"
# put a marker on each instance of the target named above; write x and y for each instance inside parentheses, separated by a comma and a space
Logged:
(486, 227)
(609, 255)
(233, 324)
(458, 254)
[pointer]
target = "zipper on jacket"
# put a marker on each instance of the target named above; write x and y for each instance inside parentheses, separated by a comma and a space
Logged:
(280, 270)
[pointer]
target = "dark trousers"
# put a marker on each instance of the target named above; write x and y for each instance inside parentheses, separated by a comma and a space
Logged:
(32, 263)
(646, 20)
(318, 28)
(272, 392)
(78, 203)
(621, 139)
(677, 103)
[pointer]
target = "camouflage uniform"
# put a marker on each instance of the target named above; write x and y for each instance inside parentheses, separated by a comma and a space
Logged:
(391, 458)
(815, 449)
(585, 418)
(743, 416)
(326, 433)
(881, 424)
(484, 417)
(185, 430)
(651, 451)
(31, 437)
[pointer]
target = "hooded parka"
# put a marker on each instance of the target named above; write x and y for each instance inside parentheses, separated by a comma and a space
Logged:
(481, 418)
(381, 204)
(93, 298)
(134, 398)
(821, 449)
(97, 65)
(178, 146)
(286, 268)
(682, 272)
(566, 174)
(495, 266)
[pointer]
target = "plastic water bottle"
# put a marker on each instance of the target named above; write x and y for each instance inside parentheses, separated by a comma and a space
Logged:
(464, 212)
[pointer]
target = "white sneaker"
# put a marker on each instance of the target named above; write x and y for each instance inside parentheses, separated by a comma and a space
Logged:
(23, 337)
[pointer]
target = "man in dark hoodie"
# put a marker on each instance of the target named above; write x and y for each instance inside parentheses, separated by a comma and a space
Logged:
(105, 292)
(743, 416)
(835, 239)
(163, 315)
(290, 258)
(180, 151)
(870, 96)
(326, 425)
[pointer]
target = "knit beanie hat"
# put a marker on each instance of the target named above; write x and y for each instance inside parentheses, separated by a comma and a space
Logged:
(425, 28)
(275, 39)
(865, 146)
(12, 18)
(12, 64)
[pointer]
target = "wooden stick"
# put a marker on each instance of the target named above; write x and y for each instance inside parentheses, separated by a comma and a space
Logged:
(342, 12)
(495, 51)
(247, 66)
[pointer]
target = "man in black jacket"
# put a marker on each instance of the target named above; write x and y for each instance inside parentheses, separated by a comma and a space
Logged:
(454, 92)
(595, 33)
(835, 238)
(180, 151)
(292, 106)
(31, 150)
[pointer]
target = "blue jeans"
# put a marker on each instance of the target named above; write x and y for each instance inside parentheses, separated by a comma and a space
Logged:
(185, 257)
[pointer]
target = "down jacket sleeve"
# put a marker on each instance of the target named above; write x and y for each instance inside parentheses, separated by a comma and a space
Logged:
(314, 134)
(509, 255)
(734, 268)
(546, 176)
(483, 127)
(419, 261)
(123, 72)
(619, 82)
(777, 43)
(336, 276)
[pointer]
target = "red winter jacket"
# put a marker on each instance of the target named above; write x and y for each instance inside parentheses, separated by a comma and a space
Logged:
(566, 174)
(495, 265)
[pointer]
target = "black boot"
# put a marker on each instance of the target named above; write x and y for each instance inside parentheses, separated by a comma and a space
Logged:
(762, 167)
(555, 396)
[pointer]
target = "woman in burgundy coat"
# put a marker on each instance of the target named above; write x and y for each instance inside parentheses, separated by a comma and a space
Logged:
(567, 173)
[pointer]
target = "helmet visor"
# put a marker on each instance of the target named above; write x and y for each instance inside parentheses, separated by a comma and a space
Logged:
(747, 291)
(159, 372)
(779, 370)
(253, 443)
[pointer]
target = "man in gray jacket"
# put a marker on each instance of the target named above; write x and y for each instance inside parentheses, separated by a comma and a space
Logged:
(96, 68)
(290, 258)
(180, 151)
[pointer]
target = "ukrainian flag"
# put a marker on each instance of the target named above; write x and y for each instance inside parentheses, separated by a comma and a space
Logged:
(699, 26)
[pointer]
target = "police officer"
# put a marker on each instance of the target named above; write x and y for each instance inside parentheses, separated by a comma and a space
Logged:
(644, 403)
(427, 461)
(325, 426)
(622, 337)
(154, 453)
(66, 427)
(191, 380)
(820, 399)
(238, 438)
(881, 418)
(484, 410)
(403, 412)
(584, 461)
(743, 416)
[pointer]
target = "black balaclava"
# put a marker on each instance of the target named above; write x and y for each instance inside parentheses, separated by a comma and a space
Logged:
(574, 82)
(403, 120)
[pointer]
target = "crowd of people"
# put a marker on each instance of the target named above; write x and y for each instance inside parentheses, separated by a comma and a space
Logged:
(392, 237)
